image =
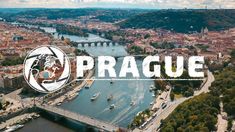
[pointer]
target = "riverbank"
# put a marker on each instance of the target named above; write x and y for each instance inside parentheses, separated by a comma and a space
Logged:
(161, 114)
(21, 119)
(163, 102)
(74, 92)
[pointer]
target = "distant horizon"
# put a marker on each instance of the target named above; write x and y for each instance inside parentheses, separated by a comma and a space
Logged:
(125, 4)
(121, 8)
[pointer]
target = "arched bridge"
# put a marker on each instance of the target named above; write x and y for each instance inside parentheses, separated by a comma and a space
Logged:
(122, 56)
(94, 44)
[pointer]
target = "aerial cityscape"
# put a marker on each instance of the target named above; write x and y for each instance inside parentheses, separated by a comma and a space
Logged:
(43, 41)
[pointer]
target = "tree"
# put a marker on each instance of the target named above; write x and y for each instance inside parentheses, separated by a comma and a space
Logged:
(189, 129)
(155, 45)
(1, 106)
(180, 129)
(210, 122)
(172, 96)
(233, 53)
(146, 36)
(13, 61)
(168, 128)
(230, 107)
(230, 124)
(195, 114)
(225, 85)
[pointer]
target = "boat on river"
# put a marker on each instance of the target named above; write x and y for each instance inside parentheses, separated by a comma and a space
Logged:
(151, 88)
(95, 96)
(112, 107)
(153, 95)
(13, 128)
(72, 96)
(59, 103)
(132, 103)
(87, 87)
(110, 97)
(111, 82)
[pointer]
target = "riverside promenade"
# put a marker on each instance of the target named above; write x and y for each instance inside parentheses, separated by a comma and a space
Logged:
(74, 90)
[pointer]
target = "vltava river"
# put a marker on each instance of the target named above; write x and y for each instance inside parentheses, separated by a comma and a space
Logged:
(124, 92)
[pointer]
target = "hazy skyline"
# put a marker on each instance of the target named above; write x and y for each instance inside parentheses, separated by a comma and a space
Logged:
(159, 4)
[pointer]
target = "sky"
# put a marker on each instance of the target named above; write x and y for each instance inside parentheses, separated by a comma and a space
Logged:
(158, 4)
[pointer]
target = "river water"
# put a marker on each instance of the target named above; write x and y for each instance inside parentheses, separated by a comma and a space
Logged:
(124, 92)
(43, 125)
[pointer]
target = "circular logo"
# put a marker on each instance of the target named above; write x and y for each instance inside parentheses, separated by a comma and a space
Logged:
(46, 69)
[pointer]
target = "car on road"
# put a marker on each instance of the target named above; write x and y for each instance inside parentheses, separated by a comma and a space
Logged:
(164, 105)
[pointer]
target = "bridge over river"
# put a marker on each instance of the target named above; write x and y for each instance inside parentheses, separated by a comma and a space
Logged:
(80, 118)
(94, 44)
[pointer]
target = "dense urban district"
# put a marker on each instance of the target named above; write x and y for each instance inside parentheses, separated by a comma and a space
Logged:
(203, 105)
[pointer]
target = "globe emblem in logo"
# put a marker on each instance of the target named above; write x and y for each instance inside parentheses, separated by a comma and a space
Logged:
(46, 69)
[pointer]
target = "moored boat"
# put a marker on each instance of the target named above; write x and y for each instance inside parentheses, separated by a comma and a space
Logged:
(111, 82)
(87, 86)
(58, 104)
(72, 96)
(13, 128)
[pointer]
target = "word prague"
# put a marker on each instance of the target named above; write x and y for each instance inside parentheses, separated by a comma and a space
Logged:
(129, 66)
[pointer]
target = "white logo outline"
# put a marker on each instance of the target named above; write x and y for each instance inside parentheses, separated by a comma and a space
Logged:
(27, 69)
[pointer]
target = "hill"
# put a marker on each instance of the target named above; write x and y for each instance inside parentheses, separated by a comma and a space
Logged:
(106, 15)
(183, 20)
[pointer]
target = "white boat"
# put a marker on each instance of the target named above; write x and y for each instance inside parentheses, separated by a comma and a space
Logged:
(36, 116)
(95, 96)
(112, 107)
(153, 95)
(59, 104)
(72, 96)
(13, 128)
(132, 103)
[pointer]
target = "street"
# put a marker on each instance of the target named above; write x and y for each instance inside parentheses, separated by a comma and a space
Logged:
(163, 113)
